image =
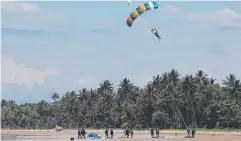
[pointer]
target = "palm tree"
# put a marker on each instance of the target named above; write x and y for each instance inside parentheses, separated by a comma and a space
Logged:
(234, 87)
(106, 91)
(201, 76)
(174, 76)
(55, 96)
(125, 95)
(189, 87)
(125, 90)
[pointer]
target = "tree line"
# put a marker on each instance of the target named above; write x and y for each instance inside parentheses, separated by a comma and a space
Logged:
(168, 101)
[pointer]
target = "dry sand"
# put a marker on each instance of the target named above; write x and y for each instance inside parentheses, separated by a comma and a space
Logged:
(52, 135)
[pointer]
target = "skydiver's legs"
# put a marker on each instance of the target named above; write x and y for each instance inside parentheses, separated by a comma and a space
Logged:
(158, 36)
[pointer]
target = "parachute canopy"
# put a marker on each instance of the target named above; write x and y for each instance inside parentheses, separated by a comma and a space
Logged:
(58, 128)
(139, 10)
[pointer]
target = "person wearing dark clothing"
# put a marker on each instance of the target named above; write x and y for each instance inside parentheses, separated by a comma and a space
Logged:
(78, 133)
(157, 132)
(128, 133)
(106, 133)
(152, 132)
(111, 133)
(83, 133)
(193, 133)
(131, 133)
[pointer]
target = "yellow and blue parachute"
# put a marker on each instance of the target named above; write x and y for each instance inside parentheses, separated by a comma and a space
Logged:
(59, 128)
(140, 10)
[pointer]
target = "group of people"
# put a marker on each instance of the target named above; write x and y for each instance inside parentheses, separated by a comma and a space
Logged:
(129, 133)
(157, 132)
(107, 133)
(193, 133)
(81, 133)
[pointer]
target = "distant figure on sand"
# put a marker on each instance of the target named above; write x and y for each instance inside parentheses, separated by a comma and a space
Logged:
(78, 133)
(152, 132)
(127, 132)
(188, 132)
(157, 132)
(111, 133)
(193, 133)
(106, 133)
(131, 133)
(83, 133)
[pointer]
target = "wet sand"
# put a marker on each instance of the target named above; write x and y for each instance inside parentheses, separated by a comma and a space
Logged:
(52, 135)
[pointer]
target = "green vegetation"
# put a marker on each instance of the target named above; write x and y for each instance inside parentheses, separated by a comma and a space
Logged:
(168, 101)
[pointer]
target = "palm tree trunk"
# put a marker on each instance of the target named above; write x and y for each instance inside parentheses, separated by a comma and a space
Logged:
(181, 116)
(194, 115)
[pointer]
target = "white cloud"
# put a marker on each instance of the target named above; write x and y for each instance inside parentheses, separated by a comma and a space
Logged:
(222, 18)
(169, 9)
(18, 74)
(88, 81)
(20, 7)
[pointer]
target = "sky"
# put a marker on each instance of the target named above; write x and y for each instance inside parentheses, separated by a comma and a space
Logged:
(63, 46)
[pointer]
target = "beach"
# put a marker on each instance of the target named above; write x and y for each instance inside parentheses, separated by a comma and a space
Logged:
(65, 135)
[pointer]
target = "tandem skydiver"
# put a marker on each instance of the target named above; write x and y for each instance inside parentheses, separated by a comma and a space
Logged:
(155, 32)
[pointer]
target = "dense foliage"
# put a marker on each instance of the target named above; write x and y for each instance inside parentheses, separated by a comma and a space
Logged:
(168, 101)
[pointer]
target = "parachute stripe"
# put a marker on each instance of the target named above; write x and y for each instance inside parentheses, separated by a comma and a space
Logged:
(143, 8)
(155, 5)
(128, 23)
(151, 5)
(136, 13)
(147, 6)
(139, 10)
(133, 17)
(130, 20)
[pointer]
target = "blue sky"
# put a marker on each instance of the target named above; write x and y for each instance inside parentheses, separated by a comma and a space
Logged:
(61, 46)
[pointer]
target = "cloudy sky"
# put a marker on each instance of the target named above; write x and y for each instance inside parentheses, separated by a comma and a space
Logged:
(61, 46)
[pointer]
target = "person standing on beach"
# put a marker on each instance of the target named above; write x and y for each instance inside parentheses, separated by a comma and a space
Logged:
(128, 132)
(157, 132)
(111, 133)
(106, 133)
(83, 133)
(188, 132)
(193, 132)
(152, 132)
(79, 133)
(131, 133)
(125, 131)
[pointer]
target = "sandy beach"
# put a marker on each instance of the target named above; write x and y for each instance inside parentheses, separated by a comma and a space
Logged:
(52, 135)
